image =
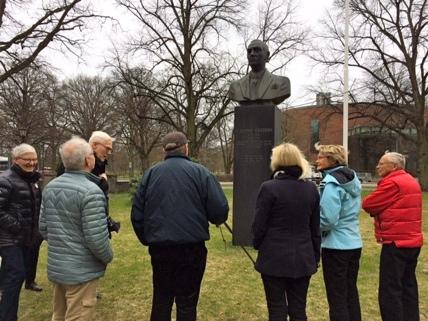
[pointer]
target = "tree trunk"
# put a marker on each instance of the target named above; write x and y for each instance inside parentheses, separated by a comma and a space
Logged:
(423, 162)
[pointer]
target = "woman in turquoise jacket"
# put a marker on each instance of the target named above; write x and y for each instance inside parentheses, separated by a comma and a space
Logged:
(341, 243)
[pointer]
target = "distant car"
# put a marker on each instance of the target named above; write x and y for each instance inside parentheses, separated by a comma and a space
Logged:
(315, 175)
(4, 163)
(365, 176)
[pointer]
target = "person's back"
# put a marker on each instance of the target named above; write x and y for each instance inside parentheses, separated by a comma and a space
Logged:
(172, 208)
(183, 198)
(73, 222)
(73, 213)
(287, 235)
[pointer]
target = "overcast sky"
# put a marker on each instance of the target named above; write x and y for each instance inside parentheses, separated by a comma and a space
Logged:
(300, 70)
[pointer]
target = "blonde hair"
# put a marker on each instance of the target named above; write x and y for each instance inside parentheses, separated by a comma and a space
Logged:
(335, 152)
(287, 154)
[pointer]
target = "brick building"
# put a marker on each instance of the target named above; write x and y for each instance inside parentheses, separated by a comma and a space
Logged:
(368, 139)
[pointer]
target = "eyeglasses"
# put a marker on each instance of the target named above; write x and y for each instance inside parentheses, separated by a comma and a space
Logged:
(29, 160)
(108, 148)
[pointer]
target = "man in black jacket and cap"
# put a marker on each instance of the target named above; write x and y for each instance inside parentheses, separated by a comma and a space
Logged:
(174, 204)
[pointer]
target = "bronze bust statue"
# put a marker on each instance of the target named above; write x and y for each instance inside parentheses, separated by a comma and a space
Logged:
(259, 85)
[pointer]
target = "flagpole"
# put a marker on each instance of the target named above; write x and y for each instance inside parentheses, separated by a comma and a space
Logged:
(346, 81)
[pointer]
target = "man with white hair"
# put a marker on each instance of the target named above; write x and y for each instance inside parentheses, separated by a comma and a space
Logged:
(73, 221)
(102, 145)
(396, 206)
(19, 211)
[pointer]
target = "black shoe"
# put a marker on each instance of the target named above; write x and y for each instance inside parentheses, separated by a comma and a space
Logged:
(33, 286)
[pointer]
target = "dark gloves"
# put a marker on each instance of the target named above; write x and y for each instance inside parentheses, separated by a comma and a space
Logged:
(113, 226)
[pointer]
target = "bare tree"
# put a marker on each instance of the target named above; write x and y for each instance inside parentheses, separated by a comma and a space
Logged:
(182, 41)
(24, 106)
(278, 26)
(22, 38)
(389, 45)
(224, 130)
(88, 104)
(137, 118)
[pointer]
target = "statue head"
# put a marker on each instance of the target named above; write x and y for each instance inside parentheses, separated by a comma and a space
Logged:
(257, 55)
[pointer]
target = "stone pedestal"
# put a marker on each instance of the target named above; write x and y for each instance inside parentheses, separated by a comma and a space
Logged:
(257, 130)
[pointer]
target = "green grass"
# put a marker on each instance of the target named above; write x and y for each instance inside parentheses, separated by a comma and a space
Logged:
(231, 290)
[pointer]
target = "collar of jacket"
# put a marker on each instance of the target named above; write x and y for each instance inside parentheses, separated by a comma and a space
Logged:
(329, 170)
(293, 172)
(90, 176)
(176, 155)
(31, 177)
(393, 173)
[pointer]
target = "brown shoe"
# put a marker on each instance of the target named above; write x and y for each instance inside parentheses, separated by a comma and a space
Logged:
(33, 286)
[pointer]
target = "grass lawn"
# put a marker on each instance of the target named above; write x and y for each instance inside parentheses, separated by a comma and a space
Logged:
(231, 290)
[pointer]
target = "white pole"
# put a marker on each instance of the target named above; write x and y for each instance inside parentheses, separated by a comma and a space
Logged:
(346, 80)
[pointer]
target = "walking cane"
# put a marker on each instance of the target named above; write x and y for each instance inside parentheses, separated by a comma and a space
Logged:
(243, 248)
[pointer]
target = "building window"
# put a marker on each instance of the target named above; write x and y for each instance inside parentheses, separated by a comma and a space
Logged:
(315, 133)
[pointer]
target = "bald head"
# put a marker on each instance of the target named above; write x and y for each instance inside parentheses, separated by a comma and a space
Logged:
(76, 154)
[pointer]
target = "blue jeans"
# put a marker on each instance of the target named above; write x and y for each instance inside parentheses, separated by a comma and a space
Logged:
(12, 275)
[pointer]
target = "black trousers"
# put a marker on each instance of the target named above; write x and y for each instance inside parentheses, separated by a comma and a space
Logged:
(398, 288)
(286, 297)
(12, 275)
(340, 271)
(31, 259)
(177, 275)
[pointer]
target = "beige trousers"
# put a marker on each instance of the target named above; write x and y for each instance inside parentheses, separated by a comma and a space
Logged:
(74, 302)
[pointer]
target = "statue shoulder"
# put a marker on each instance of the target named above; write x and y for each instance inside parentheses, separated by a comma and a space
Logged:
(235, 88)
(280, 79)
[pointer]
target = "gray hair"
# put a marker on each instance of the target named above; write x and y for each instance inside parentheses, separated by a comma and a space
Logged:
(100, 137)
(397, 159)
(22, 149)
(73, 153)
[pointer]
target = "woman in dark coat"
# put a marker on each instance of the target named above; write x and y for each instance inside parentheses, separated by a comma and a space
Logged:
(286, 233)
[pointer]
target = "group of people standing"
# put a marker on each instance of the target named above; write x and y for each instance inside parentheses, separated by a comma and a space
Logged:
(295, 228)
(73, 220)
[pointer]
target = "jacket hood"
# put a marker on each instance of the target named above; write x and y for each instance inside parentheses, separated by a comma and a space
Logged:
(345, 178)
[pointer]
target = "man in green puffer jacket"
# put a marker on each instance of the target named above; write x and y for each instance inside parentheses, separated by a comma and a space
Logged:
(73, 221)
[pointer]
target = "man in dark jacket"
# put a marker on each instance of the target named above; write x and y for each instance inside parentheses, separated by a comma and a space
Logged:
(19, 212)
(172, 208)
(396, 206)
